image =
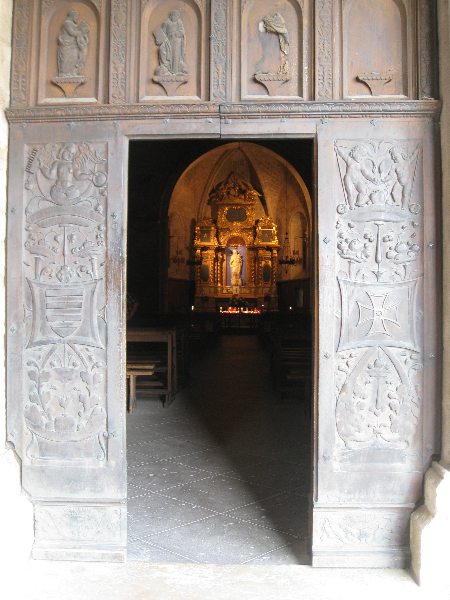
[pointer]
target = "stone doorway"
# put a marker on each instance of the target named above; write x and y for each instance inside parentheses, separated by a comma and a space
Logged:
(271, 477)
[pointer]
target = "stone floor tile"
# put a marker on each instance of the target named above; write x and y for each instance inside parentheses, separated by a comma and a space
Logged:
(162, 475)
(220, 540)
(295, 553)
(154, 513)
(221, 493)
(285, 513)
(140, 550)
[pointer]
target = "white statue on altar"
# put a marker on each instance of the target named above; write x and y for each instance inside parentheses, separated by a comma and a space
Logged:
(236, 268)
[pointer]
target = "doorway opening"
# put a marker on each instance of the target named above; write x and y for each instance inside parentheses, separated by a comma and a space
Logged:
(219, 438)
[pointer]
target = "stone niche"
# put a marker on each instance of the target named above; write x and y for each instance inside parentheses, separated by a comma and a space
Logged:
(172, 51)
(71, 42)
(376, 48)
(274, 49)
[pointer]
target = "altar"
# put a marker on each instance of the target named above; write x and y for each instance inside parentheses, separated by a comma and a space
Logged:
(235, 255)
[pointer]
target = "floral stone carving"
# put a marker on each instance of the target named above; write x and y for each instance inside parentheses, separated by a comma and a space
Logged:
(73, 41)
(65, 355)
(379, 245)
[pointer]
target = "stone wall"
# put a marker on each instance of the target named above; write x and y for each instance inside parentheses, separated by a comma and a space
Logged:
(16, 514)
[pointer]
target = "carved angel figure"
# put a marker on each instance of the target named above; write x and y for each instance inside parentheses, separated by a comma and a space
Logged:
(73, 43)
(400, 175)
(276, 24)
(357, 175)
(171, 40)
(67, 167)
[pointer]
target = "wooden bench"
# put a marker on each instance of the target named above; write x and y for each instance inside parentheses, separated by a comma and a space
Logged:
(133, 371)
(162, 354)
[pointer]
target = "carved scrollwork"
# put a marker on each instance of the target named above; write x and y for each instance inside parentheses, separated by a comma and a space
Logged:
(379, 242)
(219, 49)
(118, 50)
(78, 523)
(22, 13)
(65, 356)
(325, 49)
(336, 529)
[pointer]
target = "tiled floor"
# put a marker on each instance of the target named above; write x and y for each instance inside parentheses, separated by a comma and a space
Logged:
(223, 474)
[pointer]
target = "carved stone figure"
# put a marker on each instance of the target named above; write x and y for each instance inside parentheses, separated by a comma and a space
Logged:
(73, 41)
(272, 81)
(170, 38)
(378, 175)
(66, 168)
(236, 268)
(357, 175)
(400, 174)
(174, 30)
(276, 24)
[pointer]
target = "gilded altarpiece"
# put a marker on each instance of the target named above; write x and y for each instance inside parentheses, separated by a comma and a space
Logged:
(235, 231)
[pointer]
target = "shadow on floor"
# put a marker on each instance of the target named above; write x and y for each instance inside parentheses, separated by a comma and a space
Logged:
(222, 475)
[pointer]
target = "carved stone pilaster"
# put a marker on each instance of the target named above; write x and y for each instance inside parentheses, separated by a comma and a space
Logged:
(119, 11)
(21, 38)
(427, 49)
(324, 49)
(218, 49)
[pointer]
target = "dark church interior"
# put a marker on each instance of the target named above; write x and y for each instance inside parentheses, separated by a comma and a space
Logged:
(219, 375)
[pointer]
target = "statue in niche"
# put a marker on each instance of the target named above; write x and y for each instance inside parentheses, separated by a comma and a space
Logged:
(272, 81)
(73, 41)
(170, 38)
(236, 268)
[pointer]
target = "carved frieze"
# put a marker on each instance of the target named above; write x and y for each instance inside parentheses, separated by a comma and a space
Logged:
(379, 246)
(279, 110)
(65, 257)
(77, 523)
(364, 530)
